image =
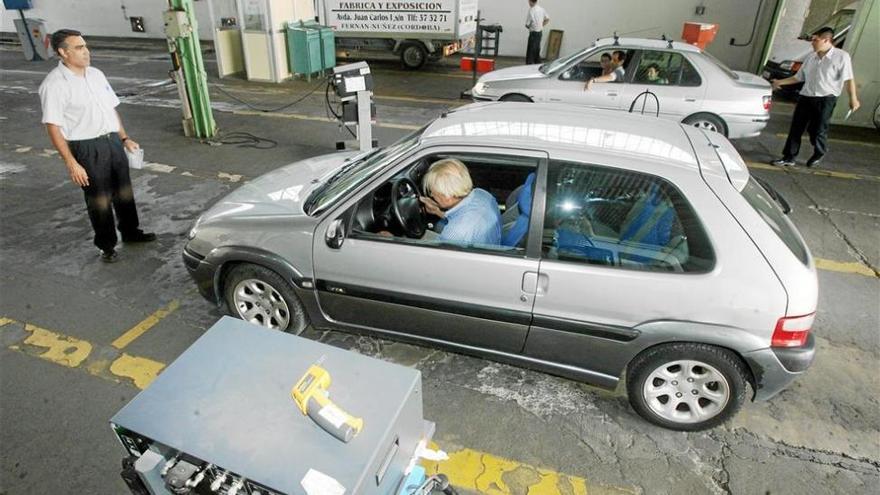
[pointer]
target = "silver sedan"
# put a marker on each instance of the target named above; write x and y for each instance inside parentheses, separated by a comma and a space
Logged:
(671, 80)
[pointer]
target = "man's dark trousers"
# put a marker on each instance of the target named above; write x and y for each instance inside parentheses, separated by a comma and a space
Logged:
(109, 188)
(812, 113)
(533, 48)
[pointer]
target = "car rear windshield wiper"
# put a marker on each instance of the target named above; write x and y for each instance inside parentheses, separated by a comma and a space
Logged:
(786, 208)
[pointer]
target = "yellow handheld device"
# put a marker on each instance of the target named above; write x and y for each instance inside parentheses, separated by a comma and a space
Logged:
(311, 394)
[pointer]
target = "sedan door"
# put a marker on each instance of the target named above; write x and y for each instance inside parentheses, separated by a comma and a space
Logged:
(475, 297)
(679, 89)
(569, 85)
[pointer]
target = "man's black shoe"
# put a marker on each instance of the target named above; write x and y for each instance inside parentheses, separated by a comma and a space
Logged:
(109, 256)
(139, 236)
(814, 160)
(783, 162)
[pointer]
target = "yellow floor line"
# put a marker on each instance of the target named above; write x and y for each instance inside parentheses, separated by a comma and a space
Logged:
(60, 349)
(846, 267)
(811, 171)
(141, 371)
(142, 327)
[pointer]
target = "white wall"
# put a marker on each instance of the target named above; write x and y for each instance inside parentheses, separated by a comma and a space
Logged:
(585, 20)
(582, 20)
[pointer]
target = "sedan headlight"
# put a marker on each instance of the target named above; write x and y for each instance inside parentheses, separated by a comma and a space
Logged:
(480, 87)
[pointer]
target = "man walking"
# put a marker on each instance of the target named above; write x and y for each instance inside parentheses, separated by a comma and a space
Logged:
(536, 19)
(79, 111)
(824, 73)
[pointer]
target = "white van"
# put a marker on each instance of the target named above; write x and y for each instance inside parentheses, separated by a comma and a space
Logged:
(786, 59)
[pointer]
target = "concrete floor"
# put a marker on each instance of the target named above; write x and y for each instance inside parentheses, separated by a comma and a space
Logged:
(514, 428)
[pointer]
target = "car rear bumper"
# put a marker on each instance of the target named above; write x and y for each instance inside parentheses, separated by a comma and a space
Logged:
(775, 368)
(201, 272)
(744, 126)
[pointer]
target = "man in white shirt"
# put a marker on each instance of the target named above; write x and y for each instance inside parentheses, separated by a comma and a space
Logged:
(824, 73)
(536, 19)
(79, 111)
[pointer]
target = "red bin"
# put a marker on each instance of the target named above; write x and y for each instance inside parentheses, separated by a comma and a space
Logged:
(483, 64)
(699, 33)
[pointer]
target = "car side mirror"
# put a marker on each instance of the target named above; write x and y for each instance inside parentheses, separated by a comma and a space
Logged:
(566, 75)
(335, 235)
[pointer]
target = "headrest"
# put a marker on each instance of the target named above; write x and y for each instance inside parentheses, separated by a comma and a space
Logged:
(524, 198)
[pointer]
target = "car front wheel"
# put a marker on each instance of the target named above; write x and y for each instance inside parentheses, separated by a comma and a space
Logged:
(262, 297)
(686, 387)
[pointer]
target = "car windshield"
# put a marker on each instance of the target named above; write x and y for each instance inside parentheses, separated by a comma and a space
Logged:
(355, 172)
(560, 62)
(721, 65)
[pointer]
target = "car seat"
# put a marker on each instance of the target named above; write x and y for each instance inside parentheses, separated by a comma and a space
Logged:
(513, 233)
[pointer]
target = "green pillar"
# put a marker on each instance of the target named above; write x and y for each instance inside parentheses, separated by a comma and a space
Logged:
(186, 55)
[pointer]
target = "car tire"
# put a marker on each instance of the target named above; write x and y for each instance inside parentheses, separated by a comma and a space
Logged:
(255, 294)
(413, 55)
(707, 121)
(687, 387)
(516, 97)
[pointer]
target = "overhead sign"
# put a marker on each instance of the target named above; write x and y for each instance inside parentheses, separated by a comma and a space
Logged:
(411, 16)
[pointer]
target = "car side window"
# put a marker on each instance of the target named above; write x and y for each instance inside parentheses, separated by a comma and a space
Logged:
(665, 68)
(604, 216)
(689, 75)
(493, 217)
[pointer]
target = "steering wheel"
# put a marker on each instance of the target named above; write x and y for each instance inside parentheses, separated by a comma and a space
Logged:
(407, 208)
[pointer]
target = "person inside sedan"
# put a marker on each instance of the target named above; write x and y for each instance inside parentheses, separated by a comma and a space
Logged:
(469, 216)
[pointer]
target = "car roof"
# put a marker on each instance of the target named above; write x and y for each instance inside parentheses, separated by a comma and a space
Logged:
(549, 127)
(646, 43)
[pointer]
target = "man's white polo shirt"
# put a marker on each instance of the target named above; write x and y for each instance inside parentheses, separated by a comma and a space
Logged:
(82, 106)
(825, 76)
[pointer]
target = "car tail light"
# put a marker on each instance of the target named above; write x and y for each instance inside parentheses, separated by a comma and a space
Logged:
(792, 331)
(768, 100)
(796, 66)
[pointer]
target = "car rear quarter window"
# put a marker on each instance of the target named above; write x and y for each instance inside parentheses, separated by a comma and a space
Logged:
(621, 219)
(763, 203)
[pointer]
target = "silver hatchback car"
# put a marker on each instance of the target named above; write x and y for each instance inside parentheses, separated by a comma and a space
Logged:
(686, 85)
(632, 248)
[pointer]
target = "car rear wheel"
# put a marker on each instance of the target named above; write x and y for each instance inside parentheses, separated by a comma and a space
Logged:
(262, 297)
(686, 387)
(708, 122)
(516, 97)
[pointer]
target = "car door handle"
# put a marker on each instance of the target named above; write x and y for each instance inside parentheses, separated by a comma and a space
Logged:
(690, 100)
(611, 93)
(530, 282)
(555, 99)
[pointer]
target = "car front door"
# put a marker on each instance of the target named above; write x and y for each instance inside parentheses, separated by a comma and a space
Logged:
(424, 288)
(569, 85)
(678, 86)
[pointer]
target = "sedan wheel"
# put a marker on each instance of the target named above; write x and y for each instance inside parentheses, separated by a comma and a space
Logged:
(687, 386)
(707, 122)
(260, 296)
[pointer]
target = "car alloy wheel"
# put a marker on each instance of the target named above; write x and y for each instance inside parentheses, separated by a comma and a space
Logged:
(707, 122)
(686, 391)
(260, 303)
(260, 296)
(687, 386)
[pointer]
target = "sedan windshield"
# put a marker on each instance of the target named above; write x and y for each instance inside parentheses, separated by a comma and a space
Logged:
(354, 172)
(561, 62)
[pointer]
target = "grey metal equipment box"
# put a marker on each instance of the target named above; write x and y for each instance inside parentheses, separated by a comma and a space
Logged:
(225, 407)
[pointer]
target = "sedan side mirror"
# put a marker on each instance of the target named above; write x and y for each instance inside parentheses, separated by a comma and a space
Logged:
(566, 75)
(335, 235)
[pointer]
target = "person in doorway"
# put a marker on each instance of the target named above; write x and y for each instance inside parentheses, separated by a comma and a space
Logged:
(79, 111)
(825, 73)
(536, 19)
(469, 216)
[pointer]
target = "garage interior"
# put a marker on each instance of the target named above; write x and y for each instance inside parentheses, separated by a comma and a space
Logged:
(81, 339)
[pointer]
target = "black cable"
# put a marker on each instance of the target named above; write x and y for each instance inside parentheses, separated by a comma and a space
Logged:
(331, 111)
(754, 27)
(242, 140)
(268, 110)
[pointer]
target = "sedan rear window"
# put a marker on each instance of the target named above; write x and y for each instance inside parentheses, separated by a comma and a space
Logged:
(763, 203)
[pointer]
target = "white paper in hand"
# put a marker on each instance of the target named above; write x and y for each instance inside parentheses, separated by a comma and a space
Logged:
(135, 158)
